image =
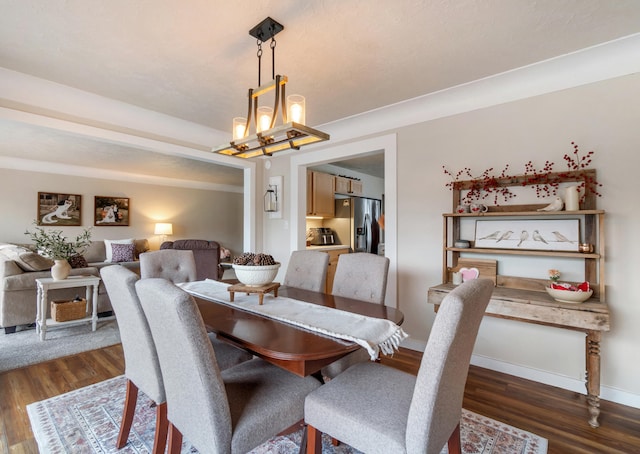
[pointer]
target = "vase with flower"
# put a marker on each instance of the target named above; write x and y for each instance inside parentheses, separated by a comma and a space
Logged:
(54, 245)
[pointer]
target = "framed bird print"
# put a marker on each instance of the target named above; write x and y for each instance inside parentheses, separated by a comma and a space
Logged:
(531, 234)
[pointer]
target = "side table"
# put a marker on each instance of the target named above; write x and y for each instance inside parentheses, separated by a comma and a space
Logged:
(47, 283)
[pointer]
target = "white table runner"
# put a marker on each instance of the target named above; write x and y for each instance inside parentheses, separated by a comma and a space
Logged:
(373, 334)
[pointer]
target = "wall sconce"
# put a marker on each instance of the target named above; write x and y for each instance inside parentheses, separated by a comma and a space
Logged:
(164, 229)
(274, 197)
(271, 199)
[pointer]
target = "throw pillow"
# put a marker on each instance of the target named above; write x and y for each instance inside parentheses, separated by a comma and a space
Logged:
(107, 247)
(77, 261)
(122, 252)
(26, 259)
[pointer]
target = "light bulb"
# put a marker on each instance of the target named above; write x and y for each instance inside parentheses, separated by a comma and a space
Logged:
(264, 118)
(296, 108)
(239, 125)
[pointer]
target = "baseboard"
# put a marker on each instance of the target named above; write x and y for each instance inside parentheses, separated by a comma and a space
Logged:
(560, 381)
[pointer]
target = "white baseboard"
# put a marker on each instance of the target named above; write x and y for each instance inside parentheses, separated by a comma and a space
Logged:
(606, 392)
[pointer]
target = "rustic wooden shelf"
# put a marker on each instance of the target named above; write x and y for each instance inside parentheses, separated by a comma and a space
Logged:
(525, 298)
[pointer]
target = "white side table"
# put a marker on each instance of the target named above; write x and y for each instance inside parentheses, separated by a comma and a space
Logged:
(47, 283)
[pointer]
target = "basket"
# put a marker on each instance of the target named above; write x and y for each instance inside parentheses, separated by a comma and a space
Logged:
(64, 310)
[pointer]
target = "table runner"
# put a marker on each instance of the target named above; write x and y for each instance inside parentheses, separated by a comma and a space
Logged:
(373, 334)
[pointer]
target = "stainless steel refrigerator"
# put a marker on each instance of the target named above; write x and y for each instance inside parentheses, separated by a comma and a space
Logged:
(364, 231)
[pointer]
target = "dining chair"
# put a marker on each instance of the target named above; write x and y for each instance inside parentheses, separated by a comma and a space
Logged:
(307, 270)
(142, 369)
(174, 265)
(231, 411)
(379, 409)
(361, 276)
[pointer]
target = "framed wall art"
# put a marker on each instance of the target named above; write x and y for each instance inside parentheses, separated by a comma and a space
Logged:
(538, 234)
(59, 209)
(111, 211)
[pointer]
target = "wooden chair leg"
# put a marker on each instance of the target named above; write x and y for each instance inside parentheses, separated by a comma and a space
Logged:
(335, 441)
(175, 440)
(162, 428)
(127, 414)
(314, 440)
(454, 444)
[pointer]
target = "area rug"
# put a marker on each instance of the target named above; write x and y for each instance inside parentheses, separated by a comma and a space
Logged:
(87, 421)
(24, 347)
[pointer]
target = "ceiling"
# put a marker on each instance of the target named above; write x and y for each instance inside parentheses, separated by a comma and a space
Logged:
(194, 59)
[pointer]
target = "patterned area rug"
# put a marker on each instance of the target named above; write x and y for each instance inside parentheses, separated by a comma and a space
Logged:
(87, 421)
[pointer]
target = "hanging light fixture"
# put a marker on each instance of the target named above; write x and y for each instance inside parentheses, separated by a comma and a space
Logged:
(257, 133)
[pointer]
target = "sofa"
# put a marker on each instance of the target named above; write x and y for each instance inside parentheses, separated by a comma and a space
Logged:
(20, 267)
(208, 255)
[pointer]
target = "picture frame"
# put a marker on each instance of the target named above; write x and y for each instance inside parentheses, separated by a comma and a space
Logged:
(111, 211)
(533, 234)
(55, 209)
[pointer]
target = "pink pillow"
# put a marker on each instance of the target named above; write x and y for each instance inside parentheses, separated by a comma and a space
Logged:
(122, 252)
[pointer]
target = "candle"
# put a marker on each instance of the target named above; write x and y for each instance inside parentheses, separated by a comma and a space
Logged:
(571, 198)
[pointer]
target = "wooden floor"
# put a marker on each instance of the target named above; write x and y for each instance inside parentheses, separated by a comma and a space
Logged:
(553, 413)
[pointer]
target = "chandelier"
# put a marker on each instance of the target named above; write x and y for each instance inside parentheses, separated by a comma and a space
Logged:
(257, 134)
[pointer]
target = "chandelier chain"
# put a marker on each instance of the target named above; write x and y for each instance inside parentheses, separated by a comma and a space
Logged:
(259, 55)
(273, 57)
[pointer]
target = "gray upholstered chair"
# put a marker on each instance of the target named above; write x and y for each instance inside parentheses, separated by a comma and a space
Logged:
(360, 276)
(172, 264)
(378, 409)
(142, 368)
(231, 411)
(307, 270)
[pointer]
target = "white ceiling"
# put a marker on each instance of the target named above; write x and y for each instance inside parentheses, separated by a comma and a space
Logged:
(194, 59)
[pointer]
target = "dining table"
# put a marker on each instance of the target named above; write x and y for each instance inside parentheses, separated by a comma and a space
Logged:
(298, 350)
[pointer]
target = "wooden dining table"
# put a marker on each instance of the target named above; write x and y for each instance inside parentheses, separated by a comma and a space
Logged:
(295, 349)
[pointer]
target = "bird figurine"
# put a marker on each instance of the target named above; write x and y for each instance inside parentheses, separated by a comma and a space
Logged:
(523, 237)
(538, 237)
(556, 205)
(504, 236)
(561, 238)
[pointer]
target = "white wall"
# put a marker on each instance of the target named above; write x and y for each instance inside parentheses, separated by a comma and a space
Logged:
(603, 117)
(194, 213)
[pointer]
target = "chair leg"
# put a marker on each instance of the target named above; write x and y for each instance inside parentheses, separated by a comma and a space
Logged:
(162, 427)
(127, 414)
(175, 440)
(454, 444)
(314, 440)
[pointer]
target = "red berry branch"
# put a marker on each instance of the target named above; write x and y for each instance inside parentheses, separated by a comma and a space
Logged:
(545, 182)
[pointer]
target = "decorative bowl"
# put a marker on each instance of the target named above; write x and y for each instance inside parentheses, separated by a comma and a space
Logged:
(569, 296)
(255, 276)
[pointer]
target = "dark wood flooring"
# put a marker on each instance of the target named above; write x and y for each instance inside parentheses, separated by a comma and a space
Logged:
(553, 413)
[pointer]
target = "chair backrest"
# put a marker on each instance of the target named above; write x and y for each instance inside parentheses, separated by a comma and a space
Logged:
(307, 270)
(140, 356)
(361, 276)
(171, 264)
(206, 254)
(436, 407)
(197, 402)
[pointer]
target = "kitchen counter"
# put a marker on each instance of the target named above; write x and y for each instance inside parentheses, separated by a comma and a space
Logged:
(328, 247)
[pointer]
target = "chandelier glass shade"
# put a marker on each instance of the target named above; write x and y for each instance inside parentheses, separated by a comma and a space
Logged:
(258, 134)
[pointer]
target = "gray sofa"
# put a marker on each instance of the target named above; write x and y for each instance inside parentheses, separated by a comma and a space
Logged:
(20, 269)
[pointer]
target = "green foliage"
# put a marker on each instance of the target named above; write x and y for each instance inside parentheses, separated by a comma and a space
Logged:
(54, 245)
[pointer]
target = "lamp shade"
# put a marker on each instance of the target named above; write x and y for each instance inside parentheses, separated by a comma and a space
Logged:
(163, 228)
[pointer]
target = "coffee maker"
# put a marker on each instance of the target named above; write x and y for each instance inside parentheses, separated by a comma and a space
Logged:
(322, 236)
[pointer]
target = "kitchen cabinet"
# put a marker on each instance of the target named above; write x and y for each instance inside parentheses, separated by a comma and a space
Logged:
(320, 200)
(525, 298)
(348, 186)
(334, 255)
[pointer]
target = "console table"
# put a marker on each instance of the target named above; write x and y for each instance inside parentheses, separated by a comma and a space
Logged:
(47, 283)
(591, 318)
